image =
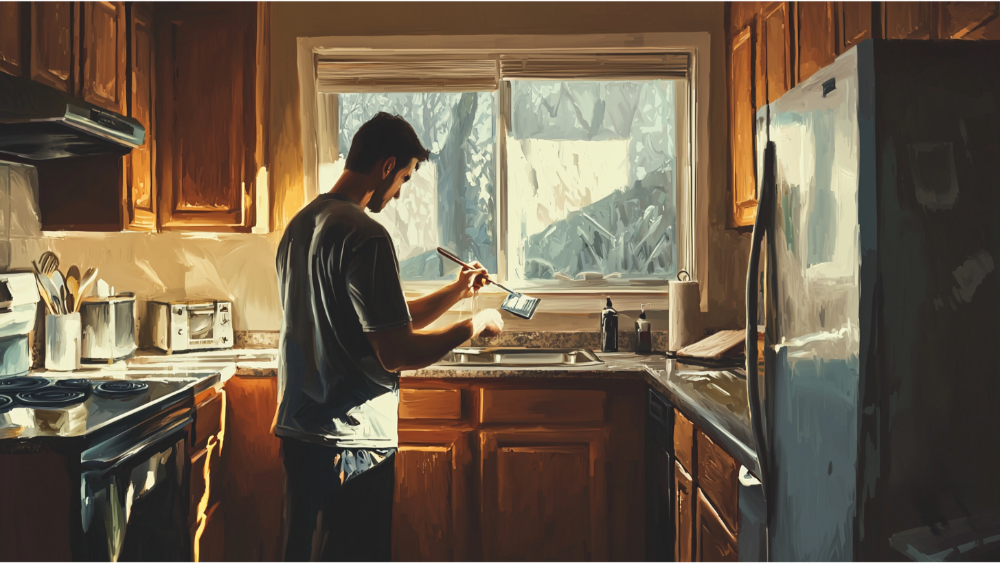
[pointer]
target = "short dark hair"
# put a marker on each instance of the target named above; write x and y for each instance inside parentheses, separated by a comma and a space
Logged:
(381, 137)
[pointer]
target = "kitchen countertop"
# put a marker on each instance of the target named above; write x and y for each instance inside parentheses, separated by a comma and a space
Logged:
(713, 399)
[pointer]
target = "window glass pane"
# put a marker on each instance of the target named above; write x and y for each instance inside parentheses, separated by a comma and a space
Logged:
(451, 200)
(592, 179)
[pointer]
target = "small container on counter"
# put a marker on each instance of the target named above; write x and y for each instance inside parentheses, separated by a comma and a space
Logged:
(609, 328)
(643, 333)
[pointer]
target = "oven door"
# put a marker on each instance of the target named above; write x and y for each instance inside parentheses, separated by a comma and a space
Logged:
(133, 500)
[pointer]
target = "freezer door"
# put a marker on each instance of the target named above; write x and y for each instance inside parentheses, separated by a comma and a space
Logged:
(811, 308)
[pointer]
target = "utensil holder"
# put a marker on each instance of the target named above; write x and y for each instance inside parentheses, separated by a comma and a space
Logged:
(62, 342)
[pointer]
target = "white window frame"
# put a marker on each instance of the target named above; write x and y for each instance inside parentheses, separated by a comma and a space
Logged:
(692, 232)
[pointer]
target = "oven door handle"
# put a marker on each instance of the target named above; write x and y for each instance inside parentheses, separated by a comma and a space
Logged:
(150, 442)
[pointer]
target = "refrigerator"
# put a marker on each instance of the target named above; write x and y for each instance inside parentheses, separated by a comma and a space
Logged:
(876, 412)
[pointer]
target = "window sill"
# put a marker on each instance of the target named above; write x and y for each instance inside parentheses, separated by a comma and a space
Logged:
(558, 300)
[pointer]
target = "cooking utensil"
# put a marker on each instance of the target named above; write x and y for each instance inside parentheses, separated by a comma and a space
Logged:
(45, 296)
(53, 293)
(60, 282)
(73, 286)
(85, 281)
(48, 263)
(516, 303)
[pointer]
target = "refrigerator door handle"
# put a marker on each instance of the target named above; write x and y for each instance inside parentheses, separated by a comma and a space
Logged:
(761, 223)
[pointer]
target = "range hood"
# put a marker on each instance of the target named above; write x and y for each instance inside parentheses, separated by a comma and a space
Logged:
(41, 123)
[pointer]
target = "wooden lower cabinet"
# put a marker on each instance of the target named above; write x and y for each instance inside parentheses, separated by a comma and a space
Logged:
(714, 541)
(528, 470)
(432, 513)
(206, 514)
(684, 515)
(706, 516)
(544, 495)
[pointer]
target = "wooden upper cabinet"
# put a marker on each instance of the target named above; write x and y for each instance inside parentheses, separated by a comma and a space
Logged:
(816, 30)
(741, 112)
(544, 495)
(855, 23)
(140, 193)
(967, 20)
(102, 54)
(432, 513)
(908, 20)
(208, 126)
(53, 45)
(775, 41)
(12, 36)
(713, 540)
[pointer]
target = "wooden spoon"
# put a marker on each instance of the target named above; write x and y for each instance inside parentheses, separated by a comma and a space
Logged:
(85, 281)
(73, 287)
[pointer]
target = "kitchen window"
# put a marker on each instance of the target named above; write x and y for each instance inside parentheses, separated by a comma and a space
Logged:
(560, 171)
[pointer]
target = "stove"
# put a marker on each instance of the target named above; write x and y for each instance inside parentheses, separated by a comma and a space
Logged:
(5, 402)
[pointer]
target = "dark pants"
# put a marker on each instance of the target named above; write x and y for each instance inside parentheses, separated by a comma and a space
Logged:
(329, 521)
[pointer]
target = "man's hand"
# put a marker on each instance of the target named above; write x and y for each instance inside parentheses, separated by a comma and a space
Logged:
(471, 281)
(487, 324)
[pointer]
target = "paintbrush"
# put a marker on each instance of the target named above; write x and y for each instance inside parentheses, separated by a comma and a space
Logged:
(515, 303)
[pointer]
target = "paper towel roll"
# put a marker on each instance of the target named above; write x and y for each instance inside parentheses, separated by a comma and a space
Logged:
(685, 314)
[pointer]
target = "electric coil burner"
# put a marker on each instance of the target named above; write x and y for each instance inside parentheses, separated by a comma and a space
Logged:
(5, 402)
(114, 389)
(80, 384)
(20, 384)
(51, 397)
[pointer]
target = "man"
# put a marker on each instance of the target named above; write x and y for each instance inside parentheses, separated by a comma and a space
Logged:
(347, 332)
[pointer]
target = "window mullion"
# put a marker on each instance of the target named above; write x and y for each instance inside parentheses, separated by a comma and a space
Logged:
(503, 125)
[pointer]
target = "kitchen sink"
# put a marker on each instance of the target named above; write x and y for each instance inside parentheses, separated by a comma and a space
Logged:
(525, 357)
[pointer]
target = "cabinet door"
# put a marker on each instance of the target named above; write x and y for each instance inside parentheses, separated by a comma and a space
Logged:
(12, 35)
(684, 515)
(741, 138)
(102, 53)
(714, 541)
(544, 495)
(140, 193)
(53, 45)
(208, 128)
(960, 20)
(855, 19)
(775, 40)
(817, 37)
(432, 514)
(908, 20)
(207, 514)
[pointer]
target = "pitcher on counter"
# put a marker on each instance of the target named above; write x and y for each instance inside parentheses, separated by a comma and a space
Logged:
(347, 332)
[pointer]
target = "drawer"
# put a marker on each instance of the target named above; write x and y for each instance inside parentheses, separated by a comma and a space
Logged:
(684, 442)
(718, 477)
(208, 419)
(555, 406)
(436, 404)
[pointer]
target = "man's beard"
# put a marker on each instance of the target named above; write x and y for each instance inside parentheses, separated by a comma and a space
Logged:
(377, 202)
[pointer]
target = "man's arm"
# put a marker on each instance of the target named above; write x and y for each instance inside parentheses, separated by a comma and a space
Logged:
(405, 349)
(425, 310)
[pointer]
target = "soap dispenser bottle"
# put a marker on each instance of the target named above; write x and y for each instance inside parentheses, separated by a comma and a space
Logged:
(609, 328)
(643, 336)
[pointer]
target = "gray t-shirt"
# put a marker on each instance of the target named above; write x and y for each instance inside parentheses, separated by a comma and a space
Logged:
(339, 278)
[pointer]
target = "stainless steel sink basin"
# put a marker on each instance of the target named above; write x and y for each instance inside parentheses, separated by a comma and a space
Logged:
(522, 357)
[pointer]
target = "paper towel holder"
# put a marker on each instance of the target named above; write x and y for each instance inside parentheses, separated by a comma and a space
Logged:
(686, 273)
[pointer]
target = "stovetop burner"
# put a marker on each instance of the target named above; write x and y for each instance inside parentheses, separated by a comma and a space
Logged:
(51, 397)
(5, 402)
(21, 383)
(121, 388)
(79, 383)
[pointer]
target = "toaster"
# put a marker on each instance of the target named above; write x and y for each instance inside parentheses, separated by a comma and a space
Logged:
(189, 325)
(108, 327)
